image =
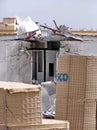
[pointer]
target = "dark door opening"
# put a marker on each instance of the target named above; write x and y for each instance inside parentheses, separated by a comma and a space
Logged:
(51, 69)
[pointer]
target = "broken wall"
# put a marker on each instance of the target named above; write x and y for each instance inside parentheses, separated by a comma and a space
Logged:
(79, 47)
(15, 61)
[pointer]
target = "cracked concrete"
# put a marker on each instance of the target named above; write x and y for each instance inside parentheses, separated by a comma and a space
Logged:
(86, 48)
(15, 63)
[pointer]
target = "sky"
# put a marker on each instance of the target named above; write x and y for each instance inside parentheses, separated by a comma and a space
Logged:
(75, 14)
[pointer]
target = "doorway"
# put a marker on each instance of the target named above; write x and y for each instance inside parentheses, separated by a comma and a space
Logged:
(43, 65)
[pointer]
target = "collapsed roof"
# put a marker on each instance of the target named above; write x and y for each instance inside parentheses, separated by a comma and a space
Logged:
(27, 29)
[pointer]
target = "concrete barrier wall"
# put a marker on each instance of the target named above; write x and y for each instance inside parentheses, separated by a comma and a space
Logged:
(15, 62)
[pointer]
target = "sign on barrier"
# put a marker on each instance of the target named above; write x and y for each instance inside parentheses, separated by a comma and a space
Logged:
(61, 77)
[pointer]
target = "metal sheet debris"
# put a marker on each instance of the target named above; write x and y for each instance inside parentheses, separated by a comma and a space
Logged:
(27, 29)
(48, 91)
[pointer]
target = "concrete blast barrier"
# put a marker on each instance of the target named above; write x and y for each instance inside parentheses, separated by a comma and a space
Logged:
(76, 91)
